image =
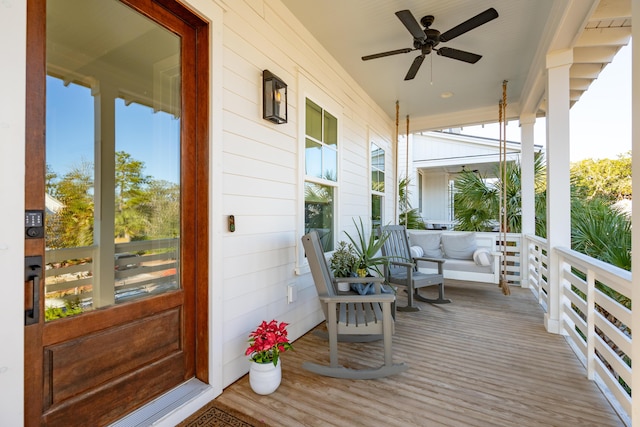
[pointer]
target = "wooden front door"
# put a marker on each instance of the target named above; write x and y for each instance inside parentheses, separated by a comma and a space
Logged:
(116, 198)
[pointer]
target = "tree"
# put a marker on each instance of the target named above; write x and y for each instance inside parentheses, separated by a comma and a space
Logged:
(50, 180)
(601, 232)
(131, 197)
(606, 178)
(145, 208)
(477, 199)
(72, 225)
(318, 211)
(163, 210)
(597, 229)
(409, 217)
(476, 203)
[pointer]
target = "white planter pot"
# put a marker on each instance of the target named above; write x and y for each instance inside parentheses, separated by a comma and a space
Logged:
(344, 286)
(265, 378)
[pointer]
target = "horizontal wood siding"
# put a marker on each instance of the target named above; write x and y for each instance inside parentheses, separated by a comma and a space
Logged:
(262, 177)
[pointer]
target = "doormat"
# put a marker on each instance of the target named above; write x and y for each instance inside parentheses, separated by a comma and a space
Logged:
(220, 415)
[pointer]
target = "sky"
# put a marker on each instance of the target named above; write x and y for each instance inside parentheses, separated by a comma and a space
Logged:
(600, 120)
(152, 138)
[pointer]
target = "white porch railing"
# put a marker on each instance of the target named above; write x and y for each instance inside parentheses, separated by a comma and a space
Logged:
(537, 274)
(514, 256)
(140, 267)
(594, 315)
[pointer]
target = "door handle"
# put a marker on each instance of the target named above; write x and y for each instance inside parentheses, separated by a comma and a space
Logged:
(33, 274)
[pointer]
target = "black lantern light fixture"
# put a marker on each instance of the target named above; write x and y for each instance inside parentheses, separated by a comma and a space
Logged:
(274, 98)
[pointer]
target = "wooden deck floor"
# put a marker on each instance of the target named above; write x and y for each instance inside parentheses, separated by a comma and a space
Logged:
(484, 360)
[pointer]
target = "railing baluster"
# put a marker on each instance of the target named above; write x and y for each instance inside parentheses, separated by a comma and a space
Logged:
(591, 330)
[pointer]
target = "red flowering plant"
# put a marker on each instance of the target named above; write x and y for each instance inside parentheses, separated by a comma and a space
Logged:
(268, 341)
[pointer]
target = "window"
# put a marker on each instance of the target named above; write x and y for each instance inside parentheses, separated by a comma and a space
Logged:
(113, 159)
(321, 172)
(377, 185)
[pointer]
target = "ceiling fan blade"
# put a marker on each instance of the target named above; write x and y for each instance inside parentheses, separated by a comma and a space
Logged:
(389, 53)
(415, 66)
(470, 24)
(460, 55)
(407, 18)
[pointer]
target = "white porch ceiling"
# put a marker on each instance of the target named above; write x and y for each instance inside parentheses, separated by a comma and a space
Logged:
(513, 48)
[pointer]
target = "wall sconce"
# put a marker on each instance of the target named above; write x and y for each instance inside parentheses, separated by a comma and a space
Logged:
(274, 98)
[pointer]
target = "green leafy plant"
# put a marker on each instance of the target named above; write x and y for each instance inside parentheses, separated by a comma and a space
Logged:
(71, 308)
(367, 250)
(477, 199)
(409, 217)
(344, 260)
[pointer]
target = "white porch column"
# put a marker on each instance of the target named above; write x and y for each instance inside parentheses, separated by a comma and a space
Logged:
(558, 194)
(104, 188)
(635, 216)
(527, 122)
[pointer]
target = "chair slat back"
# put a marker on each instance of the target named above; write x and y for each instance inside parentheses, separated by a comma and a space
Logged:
(320, 271)
(396, 247)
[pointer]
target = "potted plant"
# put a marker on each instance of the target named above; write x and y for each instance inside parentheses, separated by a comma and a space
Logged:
(368, 258)
(265, 345)
(343, 263)
(367, 251)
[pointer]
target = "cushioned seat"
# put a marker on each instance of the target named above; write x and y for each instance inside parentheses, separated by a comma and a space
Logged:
(468, 256)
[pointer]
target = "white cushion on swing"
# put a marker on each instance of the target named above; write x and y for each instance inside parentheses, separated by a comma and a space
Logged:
(483, 257)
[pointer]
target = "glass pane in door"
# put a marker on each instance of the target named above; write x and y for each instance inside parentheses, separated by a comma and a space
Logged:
(113, 156)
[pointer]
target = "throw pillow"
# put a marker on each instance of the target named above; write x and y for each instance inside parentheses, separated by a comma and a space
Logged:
(459, 245)
(429, 242)
(483, 257)
(369, 288)
(416, 251)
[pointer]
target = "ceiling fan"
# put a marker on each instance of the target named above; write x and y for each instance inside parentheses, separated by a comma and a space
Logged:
(425, 40)
(463, 170)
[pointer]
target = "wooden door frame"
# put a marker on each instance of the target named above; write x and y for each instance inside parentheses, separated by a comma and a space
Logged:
(199, 96)
(35, 124)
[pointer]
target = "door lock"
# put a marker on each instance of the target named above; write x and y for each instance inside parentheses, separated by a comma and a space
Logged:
(34, 224)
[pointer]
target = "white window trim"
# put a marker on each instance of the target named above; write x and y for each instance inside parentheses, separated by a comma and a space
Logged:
(390, 186)
(308, 89)
(381, 194)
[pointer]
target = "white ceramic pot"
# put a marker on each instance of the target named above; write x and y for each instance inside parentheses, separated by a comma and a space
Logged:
(344, 286)
(265, 378)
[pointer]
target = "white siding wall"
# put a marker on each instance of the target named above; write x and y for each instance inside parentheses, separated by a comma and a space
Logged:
(256, 175)
(442, 149)
(436, 196)
(262, 172)
(12, 134)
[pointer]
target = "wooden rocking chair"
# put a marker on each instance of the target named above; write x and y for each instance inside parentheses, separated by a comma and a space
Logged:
(401, 269)
(350, 317)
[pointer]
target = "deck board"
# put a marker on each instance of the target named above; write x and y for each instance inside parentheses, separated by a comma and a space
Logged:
(484, 360)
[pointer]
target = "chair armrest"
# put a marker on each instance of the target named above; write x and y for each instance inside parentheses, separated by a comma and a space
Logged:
(436, 260)
(382, 298)
(359, 279)
(403, 264)
(410, 266)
